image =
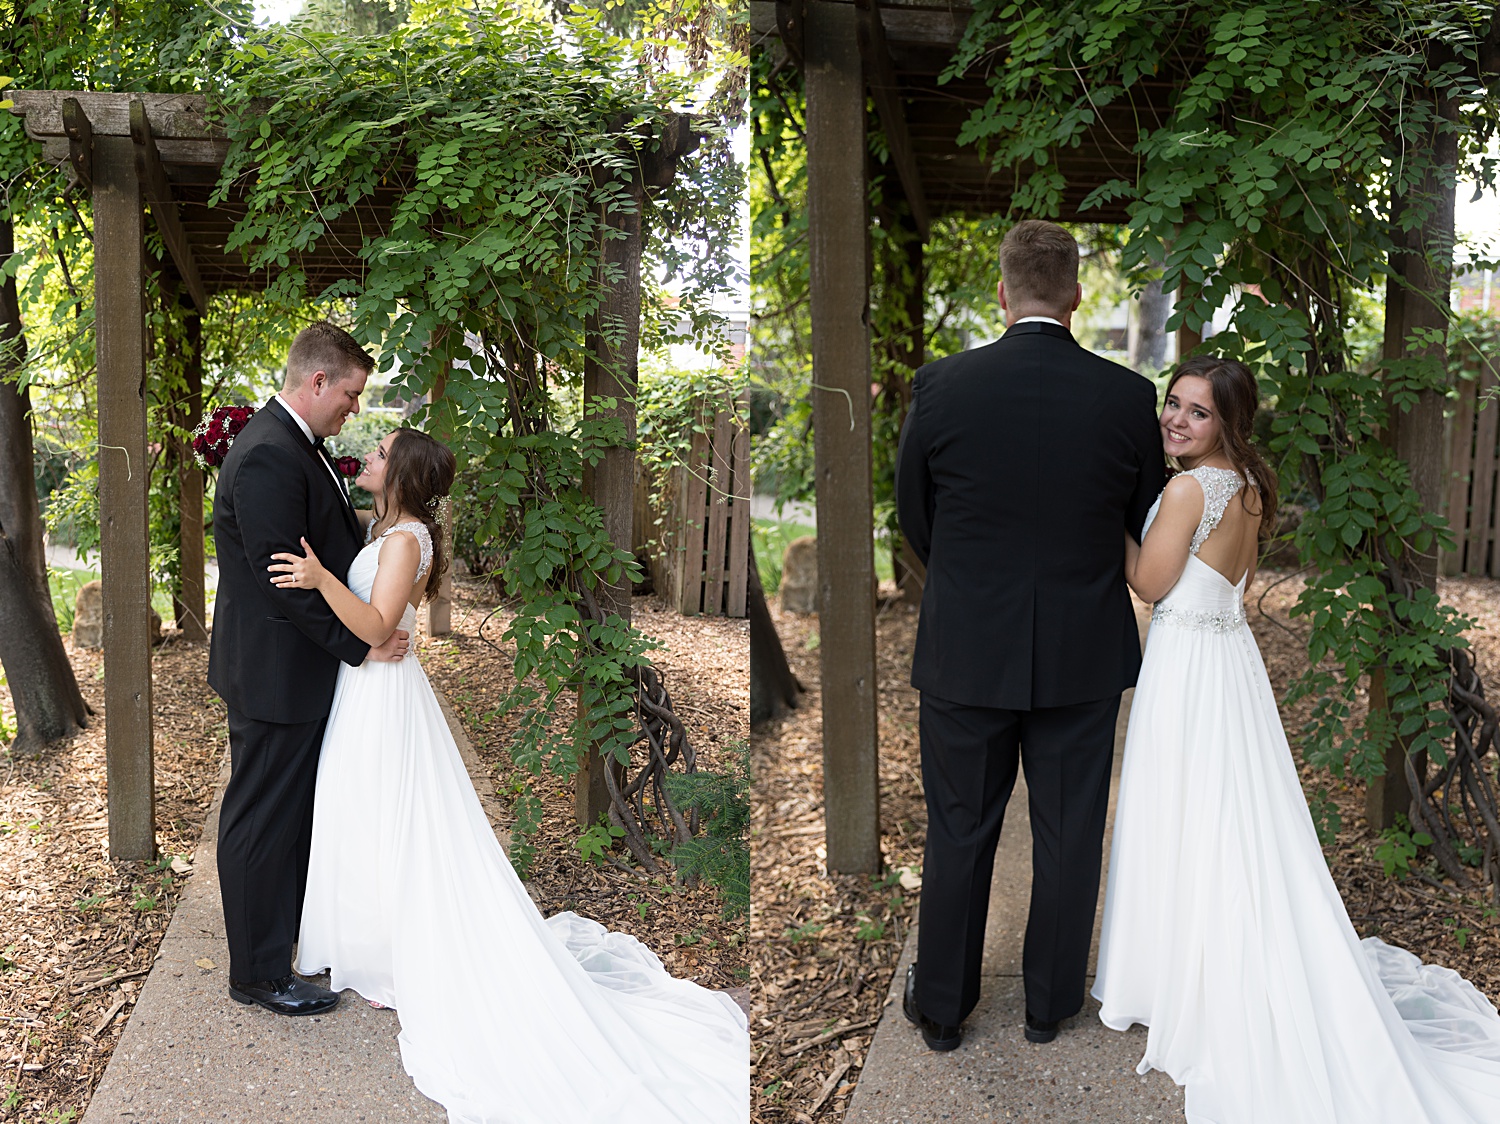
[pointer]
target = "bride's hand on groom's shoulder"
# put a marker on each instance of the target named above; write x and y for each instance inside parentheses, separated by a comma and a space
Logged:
(288, 571)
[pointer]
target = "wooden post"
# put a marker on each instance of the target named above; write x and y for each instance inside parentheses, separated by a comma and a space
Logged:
(610, 372)
(1460, 473)
(1416, 298)
(841, 418)
(191, 601)
(739, 530)
(123, 537)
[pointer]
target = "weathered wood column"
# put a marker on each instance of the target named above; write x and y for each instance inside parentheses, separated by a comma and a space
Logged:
(609, 371)
(1416, 298)
(123, 536)
(841, 417)
(191, 601)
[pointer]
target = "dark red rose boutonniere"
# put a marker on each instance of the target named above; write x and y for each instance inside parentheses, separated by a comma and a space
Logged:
(349, 466)
(216, 433)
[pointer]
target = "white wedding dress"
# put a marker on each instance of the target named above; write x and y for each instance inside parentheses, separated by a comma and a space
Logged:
(506, 1018)
(1223, 931)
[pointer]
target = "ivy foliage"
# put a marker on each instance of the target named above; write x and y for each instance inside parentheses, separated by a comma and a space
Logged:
(1266, 185)
(475, 158)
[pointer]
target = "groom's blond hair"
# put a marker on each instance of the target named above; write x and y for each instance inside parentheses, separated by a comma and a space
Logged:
(328, 348)
(1039, 265)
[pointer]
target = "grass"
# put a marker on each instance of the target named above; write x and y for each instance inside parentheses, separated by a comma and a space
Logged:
(66, 583)
(772, 536)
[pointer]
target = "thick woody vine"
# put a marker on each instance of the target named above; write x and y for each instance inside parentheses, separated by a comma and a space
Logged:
(487, 164)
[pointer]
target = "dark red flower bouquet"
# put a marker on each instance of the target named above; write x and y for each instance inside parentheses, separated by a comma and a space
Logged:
(216, 432)
(349, 466)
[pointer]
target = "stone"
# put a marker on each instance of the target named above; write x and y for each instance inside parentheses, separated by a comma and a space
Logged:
(88, 616)
(799, 576)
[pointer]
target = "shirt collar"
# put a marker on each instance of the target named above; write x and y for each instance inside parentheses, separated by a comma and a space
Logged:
(299, 419)
(1043, 319)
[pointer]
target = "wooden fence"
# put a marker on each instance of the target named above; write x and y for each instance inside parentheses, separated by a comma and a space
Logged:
(1472, 503)
(696, 531)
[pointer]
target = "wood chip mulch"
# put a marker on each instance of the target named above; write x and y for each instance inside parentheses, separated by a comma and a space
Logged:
(824, 947)
(706, 662)
(79, 933)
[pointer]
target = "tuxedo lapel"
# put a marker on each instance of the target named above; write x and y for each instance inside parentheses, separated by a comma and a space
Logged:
(324, 462)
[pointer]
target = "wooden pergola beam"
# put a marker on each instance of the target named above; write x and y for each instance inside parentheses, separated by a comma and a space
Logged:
(839, 257)
(885, 89)
(158, 193)
(124, 546)
(610, 372)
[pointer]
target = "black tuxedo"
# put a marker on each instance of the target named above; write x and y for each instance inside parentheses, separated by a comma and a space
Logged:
(273, 658)
(1021, 467)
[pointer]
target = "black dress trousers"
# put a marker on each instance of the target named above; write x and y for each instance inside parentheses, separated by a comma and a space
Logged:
(265, 836)
(970, 756)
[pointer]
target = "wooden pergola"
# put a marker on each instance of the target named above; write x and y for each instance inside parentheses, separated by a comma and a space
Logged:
(889, 53)
(160, 154)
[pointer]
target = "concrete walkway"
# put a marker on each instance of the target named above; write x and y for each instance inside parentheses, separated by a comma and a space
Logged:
(190, 1053)
(1085, 1076)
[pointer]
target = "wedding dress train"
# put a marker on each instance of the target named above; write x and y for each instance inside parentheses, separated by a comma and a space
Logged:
(506, 1018)
(1223, 931)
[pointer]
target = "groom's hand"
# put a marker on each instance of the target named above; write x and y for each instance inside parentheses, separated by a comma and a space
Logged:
(392, 649)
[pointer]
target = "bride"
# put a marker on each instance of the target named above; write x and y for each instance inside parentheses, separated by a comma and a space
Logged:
(1223, 931)
(506, 1018)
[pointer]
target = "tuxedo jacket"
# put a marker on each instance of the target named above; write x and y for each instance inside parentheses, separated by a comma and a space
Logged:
(274, 653)
(1021, 467)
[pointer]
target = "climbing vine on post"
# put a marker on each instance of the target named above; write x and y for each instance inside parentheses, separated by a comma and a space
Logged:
(1268, 186)
(476, 163)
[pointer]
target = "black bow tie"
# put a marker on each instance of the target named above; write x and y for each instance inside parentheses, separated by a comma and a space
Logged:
(318, 444)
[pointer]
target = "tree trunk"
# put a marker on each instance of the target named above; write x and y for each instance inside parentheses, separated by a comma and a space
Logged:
(48, 704)
(774, 690)
(1148, 329)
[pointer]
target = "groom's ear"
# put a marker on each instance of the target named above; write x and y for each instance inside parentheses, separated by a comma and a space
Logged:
(1077, 297)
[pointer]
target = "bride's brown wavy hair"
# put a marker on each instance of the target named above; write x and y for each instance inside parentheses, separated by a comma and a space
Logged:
(1235, 398)
(419, 474)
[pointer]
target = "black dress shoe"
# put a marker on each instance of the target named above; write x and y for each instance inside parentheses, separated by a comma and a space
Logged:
(290, 995)
(1038, 1031)
(936, 1035)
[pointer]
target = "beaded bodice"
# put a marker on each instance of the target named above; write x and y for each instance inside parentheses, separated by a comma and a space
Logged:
(417, 528)
(1220, 485)
(1203, 600)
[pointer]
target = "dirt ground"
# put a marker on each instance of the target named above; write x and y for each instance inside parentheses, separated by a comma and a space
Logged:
(824, 947)
(78, 934)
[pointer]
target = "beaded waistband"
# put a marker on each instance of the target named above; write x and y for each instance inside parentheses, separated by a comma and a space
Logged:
(1200, 620)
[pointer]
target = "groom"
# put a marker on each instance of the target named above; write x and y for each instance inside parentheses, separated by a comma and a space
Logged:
(275, 655)
(1022, 466)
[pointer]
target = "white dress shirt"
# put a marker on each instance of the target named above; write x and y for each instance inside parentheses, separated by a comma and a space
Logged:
(1028, 319)
(311, 440)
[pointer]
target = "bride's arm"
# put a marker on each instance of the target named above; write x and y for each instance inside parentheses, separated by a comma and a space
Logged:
(400, 557)
(1153, 568)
